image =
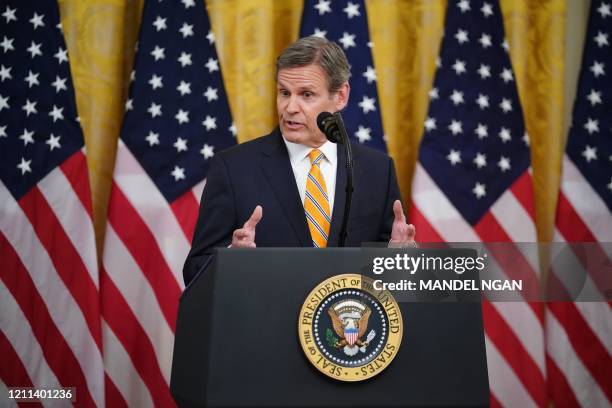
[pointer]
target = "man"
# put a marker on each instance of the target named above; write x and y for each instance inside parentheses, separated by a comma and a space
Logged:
(287, 189)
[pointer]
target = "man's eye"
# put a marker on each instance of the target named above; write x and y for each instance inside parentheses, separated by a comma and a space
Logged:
(308, 94)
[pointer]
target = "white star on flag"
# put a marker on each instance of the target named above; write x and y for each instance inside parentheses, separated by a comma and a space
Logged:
(61, 55)
(34, 49)
(430, 124)
(323, 7)
(59, 84)
(481, 131)
(210, 94)
(601, 39)
(504, 135)
(29, 107)
(462, 36)
(485, 40)
(156, 82)
(598, 69)
(459, 67)
(484, 71)
(152, 138)
(178, 173)
(155, 110)
(479, 190)
(594, 97)
(590, 153)
(363, 134)
(9, 14)
(24, 166)
(158, 53)
(320, 33)
(370, 74)
(53, 142)
(455, 127)
(506, 75)
(482, 101)
(591, 126)
(207, 151)
(5, 73)
(480, 160)
(506, 105)
(180, 145)
(37, 21)
(160, 23)
(504, 164)
(209, 123)
(367, 104)
(352, 10)
(26, 136)
(454, 156)
(186, 30)
(212, 65)
(184, 88)
(184, 59)
(457, 97)
(182, 116)
(464, 5)
(56, 113)
(347, 40)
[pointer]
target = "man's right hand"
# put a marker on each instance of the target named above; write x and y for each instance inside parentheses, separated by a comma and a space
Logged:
(245, 236)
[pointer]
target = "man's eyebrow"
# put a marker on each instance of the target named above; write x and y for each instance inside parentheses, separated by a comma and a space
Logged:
(307, 87)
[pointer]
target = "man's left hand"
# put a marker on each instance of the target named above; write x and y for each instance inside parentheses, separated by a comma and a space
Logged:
(402, 234)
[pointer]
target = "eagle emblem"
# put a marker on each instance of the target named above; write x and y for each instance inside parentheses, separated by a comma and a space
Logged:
(350, 322)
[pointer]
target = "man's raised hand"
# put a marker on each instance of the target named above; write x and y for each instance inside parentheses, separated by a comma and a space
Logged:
(402, 234)
(245, 237)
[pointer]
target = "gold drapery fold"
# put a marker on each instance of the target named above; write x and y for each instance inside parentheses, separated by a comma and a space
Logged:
(100, 36)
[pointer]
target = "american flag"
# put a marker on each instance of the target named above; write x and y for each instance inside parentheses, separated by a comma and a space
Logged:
(177, 117)
(347, 24)
(473, 184)
(579, 335)
(49, 298)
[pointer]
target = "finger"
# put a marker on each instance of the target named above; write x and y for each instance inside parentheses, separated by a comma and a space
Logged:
(411, 232)
(251, 223)
(398, 212)
(240, 234)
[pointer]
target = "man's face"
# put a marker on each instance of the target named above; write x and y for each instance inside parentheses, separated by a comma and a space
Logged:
(302, 93)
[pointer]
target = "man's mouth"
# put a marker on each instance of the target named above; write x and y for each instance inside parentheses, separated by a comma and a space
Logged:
(293, 125)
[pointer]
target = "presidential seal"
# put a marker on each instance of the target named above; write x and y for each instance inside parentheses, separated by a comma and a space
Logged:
(348, 330)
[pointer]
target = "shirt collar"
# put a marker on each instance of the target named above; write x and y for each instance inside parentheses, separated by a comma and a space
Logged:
(299, 152)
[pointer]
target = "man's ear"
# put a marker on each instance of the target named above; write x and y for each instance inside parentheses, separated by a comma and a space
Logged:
(342, 96)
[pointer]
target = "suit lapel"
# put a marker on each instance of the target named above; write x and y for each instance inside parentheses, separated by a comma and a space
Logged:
(277, 169)
(339, 198)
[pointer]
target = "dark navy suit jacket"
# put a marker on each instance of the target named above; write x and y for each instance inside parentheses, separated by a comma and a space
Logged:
(259, 173)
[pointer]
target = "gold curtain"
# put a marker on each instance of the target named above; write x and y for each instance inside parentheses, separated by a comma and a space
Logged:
(101, 34)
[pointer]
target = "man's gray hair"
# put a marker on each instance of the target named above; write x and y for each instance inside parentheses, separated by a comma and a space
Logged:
(315, 50)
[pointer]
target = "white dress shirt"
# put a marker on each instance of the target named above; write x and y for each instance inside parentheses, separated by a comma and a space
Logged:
(300, 163)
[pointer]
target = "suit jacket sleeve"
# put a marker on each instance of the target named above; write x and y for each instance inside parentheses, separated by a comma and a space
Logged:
(216, 220)
(392, 195)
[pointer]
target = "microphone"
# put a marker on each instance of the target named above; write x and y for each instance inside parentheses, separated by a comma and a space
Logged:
(328, 124)
(332, 126)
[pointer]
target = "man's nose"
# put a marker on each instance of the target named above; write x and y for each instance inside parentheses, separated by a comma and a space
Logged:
(292, 105)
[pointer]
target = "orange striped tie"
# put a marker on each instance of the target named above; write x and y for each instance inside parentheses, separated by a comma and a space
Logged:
(316, 202)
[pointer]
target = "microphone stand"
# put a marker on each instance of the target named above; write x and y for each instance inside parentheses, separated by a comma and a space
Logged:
(349, 178)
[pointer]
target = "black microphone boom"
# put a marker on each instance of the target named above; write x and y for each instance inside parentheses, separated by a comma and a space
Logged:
(332, 126)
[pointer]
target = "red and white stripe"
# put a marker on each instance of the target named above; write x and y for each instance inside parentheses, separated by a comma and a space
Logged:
(579, 335)
(50, 320)
(147, 241)
(514, 335)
